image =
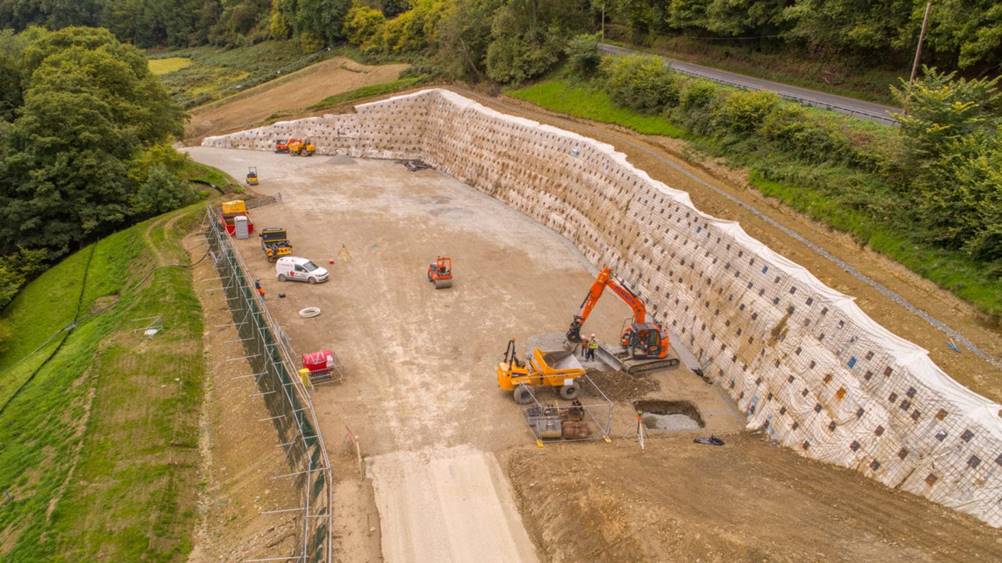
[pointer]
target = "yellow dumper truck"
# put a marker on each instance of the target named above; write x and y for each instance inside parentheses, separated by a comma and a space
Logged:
(559, 370)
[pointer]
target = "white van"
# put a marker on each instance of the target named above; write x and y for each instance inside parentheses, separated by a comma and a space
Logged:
(299, 269)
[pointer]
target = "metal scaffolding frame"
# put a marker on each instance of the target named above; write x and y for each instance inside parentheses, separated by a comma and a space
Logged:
(268, 350)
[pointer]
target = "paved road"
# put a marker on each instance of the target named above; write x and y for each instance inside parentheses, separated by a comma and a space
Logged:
(852, 106)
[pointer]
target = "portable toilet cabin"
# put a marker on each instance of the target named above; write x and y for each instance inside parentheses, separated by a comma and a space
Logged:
(241, 227)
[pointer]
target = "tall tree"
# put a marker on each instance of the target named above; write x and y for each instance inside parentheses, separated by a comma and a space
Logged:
(90, 104)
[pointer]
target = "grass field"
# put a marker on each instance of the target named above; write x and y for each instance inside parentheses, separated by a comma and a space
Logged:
(99, 458)
(579, 100)
(889, 236)
(215, 72)
(159, 67)
(367, 92)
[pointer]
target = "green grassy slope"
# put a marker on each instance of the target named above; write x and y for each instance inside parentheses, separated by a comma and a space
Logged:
(565, 96)
(99, 457)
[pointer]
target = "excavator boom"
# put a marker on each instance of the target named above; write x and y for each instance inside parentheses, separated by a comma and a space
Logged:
(603, 280)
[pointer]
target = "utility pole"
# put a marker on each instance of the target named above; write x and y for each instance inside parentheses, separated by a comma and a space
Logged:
(918, 48)
(603, 19)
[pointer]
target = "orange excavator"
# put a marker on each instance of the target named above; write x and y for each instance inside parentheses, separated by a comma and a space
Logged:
(644, 345)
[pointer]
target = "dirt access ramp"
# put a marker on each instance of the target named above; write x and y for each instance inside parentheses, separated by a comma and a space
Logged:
(745, 501)
(459, 489)
(288, 96)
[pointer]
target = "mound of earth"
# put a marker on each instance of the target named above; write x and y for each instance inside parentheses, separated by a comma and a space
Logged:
(288, 96)
(747, 500)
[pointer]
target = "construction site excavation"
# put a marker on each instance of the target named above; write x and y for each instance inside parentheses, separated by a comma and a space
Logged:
(520, 347)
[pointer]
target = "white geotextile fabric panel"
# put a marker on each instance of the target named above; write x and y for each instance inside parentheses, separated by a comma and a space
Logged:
(801, 359)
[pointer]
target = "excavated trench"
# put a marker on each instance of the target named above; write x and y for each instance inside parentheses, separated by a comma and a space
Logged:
(669, 416)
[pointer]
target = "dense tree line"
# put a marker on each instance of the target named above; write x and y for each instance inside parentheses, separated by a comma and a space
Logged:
(84, 145)
(963, 34)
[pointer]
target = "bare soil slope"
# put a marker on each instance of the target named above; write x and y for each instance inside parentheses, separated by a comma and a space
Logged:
(240, 451)
(290, 96)
(747, 500)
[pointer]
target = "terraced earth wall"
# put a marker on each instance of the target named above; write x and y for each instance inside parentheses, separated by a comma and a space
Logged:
(800, 359)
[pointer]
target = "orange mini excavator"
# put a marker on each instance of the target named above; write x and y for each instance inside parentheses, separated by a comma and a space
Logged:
(644, 345)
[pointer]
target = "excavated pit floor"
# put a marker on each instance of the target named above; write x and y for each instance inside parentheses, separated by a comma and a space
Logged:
(445, 449)
(419, 363)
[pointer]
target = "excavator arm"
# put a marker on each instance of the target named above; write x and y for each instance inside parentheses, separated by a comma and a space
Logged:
(603, 280)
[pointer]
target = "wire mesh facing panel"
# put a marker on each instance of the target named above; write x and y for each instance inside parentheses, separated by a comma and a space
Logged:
(288, 403)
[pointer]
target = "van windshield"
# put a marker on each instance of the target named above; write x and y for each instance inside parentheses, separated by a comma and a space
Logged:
(310, 266)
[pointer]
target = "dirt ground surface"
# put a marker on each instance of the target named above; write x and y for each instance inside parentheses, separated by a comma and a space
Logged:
(437, 435)
(240, 451)
(666, 160)
(420, 390)
(288, 96)
(460, 489)
(747, 500)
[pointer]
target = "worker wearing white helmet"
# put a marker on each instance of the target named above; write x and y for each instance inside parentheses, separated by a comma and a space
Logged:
(592, 346)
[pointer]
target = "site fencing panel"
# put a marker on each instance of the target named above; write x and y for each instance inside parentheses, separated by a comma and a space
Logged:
(287, 399)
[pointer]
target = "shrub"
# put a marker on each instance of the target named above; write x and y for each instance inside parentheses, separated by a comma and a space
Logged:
(583, 58)
(161, 192)
(792, 130)
(698, 94)
(744, 112)
(310, 42)
(511, 60)
(363, 24)
(643, 83)
(10, 282)
(961, 196)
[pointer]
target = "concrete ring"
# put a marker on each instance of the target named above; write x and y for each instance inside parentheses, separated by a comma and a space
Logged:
(309, 312)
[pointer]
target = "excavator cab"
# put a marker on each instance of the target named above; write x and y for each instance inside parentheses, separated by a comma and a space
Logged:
(644, 341)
